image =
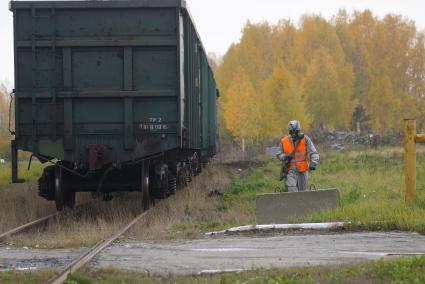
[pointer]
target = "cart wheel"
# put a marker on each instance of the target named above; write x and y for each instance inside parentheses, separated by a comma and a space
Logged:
(70, 199)
(196, 164)
(59, 193)
(146, 199)
(63, 197)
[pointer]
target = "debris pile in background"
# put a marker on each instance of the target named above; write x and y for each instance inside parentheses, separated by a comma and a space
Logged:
(340, 140)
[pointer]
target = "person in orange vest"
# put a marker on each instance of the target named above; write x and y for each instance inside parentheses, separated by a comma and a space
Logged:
(298, 159)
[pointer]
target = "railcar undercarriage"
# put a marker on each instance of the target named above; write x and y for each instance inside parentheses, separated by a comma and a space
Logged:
(154, 178)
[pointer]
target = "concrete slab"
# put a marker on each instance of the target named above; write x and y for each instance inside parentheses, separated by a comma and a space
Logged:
(276, 208)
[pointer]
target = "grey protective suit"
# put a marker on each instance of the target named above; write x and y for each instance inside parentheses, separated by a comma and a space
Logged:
(297, 181)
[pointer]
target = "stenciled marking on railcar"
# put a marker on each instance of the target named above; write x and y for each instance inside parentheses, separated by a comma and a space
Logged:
(155, 123)
(155, 119)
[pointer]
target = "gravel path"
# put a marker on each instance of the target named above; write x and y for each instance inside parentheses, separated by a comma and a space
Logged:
(180, 257)
(26, 259)
(234, 254)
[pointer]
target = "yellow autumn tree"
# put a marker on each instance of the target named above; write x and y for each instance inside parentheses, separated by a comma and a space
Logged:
(4, 121)
(355, 71)
(416, 78)
(240, 109)
(389, 96)
(382, 104)
(282, 40)
(329, 104)
(254, 54)
(4, 115)
(356, 33)
(283, 96)
(315, 33)
(224, 74)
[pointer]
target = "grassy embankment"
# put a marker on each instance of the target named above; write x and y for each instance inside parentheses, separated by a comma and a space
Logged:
(372, 189)
(371, 184)
(32, 175)
(20, 203)
(97, 220)
(401, 270)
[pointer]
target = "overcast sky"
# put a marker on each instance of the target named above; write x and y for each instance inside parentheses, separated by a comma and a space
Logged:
(219, 22)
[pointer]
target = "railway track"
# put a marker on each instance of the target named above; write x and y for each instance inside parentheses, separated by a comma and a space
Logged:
(83, 259)
(27, 225)
(96, 249)
(34, 223)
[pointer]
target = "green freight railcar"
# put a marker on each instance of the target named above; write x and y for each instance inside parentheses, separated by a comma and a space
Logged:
(116, 95)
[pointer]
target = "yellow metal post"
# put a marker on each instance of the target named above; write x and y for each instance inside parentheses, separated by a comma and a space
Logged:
(410, 158)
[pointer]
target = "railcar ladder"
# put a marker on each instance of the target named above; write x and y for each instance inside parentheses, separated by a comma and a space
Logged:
(52, 77)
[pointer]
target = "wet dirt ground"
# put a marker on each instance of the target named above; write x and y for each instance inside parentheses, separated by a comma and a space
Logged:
(180, 257)
(27, 259)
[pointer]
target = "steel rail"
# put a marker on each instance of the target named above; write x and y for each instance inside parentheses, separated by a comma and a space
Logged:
(27, 225)
(85, 258)
(36, 222)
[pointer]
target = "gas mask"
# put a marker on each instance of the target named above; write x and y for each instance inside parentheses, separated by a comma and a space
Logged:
(294, 127)
(296, 134)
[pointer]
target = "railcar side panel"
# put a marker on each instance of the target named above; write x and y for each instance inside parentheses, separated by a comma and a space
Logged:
(118, 94)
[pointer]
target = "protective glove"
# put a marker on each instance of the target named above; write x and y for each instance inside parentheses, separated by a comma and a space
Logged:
(312, 167)
(289, 157)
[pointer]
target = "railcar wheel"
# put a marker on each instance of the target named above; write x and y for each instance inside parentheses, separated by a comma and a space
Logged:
(172, 184)
(63, 197)
(187, 174)
(196, 164)
(59, 194)
(181, 176)
(70, 199)
(46, 183)
(163, 189)
(146, 199)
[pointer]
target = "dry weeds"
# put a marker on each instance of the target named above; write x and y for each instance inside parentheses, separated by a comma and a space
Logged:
(186, 214)
(20, 204)
(195, 208)
(84, 226)
(90, 222)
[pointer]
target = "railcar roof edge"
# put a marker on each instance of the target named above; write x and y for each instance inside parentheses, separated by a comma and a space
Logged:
(97, 4)
(106, 4)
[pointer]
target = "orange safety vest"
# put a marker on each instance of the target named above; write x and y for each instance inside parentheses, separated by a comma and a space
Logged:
(300, 155)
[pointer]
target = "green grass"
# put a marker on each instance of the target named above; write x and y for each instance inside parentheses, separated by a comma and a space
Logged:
(372, 191)
(401, 270)
(371, 184)
(32, 175)
(12, 277)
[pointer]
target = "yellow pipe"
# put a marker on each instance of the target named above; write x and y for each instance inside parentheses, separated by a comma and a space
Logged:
(420, 138)
(410, 138)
